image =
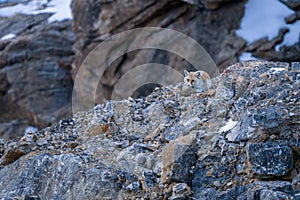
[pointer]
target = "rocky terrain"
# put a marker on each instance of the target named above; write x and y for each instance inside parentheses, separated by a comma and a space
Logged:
(38, 65)
(239, 140)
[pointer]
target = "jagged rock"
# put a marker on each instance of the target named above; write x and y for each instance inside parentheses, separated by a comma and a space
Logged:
(44, 173)
(292, 4)
(247, 151)
(209, 4)
(272, 158)
(177, 159)
(35, 79)
(12, 128)
(98, 20)
(19, 24)
(263, 44)
(270, 190)
(296, 186)
(285, 53)
(293, 17)
(180, 191)
(214, 4)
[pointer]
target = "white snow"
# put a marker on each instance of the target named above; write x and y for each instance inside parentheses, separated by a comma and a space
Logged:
(60, 8)
(8, 36)
(275, 70)
(30, 129)
(228, 126)
(246, 56)
(265, 18)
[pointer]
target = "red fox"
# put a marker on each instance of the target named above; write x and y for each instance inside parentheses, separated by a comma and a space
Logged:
(198, 81)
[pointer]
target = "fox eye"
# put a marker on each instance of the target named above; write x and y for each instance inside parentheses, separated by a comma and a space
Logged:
(188, 80)
(192, 81)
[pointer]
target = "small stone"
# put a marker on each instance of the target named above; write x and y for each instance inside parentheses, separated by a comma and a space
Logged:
(2, 141)
(240, 168)
(295, 66)
(123, 144)
(51, 148)
(168, 136)
(122, 176)
(41, 142)
(180, 191)
(133, 186)
(274, 195)
(138, 117)
(147, 184)
(148, 175)
(11, 155)
(72, 144)
(217, 183)
(25, 143)
(296, 184)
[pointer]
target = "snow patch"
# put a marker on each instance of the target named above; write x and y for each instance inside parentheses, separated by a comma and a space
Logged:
(246, 56)
(8, 36)
(60, 8)
(30, 129)
(265, 18)
(279, 69)
(228, 126)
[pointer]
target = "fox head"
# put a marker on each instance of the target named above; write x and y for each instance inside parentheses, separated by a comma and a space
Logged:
(192, 79)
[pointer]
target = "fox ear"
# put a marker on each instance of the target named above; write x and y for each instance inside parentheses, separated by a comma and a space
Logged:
(186, 73)
(198, 74)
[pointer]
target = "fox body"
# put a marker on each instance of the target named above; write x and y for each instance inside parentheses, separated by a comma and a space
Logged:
(196, 82)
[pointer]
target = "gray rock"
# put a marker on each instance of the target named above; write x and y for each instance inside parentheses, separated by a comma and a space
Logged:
(246, 150)
(180, 191)
(271, 158)
(44, 170)
(270, 190)
(274, 195)
(292, 4)
(35, 79)
(93, 24)
(21, 23)
(265, 49)
(177, 159)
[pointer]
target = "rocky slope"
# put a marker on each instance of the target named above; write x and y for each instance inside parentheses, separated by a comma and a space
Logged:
(237, 141)
(35, 66)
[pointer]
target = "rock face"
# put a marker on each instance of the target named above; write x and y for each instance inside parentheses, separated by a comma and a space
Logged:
(35, 80)
(239, 142)
(97, 20)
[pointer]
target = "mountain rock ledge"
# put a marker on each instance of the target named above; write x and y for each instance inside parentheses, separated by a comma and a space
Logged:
(239, 140)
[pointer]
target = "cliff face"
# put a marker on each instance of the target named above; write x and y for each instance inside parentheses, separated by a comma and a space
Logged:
(211, 23)
(237, 141)
(35, 80)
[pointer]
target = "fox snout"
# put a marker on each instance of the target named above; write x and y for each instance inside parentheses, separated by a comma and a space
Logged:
(191, 85)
